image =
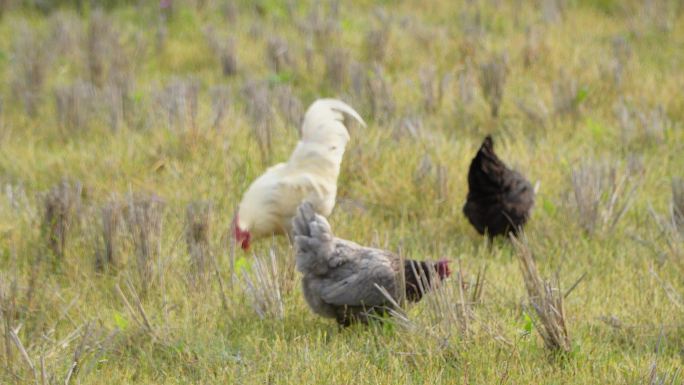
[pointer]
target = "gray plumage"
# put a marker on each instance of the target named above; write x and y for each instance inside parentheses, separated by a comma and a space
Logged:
(339, 276)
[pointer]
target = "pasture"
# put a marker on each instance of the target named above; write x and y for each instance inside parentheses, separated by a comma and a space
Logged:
(129, 133)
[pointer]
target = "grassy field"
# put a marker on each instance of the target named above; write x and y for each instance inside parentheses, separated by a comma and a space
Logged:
(127, 136)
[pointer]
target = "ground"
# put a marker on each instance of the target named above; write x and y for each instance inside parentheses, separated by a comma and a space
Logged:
(128, 134)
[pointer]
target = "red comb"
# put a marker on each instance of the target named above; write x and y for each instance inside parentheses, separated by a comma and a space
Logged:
(442, 268)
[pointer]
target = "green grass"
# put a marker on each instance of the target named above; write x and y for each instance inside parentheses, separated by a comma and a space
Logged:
(631, 278)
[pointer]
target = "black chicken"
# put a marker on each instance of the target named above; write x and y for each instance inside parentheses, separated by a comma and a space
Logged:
(499, 199)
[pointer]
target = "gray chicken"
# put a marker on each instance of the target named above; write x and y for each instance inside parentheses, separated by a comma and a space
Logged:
(340, 276)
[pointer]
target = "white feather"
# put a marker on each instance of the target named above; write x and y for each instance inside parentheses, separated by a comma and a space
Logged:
(309, 175)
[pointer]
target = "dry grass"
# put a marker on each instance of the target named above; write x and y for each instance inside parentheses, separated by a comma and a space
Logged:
(8, 294)
(677, 208)
(447, 309)
(669, 244)
(534, 46)
(74, 104)
(546, 299)
(466, 84)
(178, 104)
(221, 98)
(534, 108)
(225, 50)
(108, 63)
(431, 178)
(379, 94)
(621, 55)
(377, 40)
(409, 126)
(655, 378)
(552, 10)
(31, 58)
(51, 356)
(109, 255)
(133, 304)
(98, 46)
(260, 111)
(144, 216)
(322, 22)
(493, 74)
(280, 57)
(603, 194)
(433, 88)
(263, 286)
(3, 131)
(337, 67)
(642, 123)
(454, 303)
(61, 204)
(197, 235)
(567, 95)
(290, 106)
(150, 100)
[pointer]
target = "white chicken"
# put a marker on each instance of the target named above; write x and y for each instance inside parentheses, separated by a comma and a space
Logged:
(310, 175)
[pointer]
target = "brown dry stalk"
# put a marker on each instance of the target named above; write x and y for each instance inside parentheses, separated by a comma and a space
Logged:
(109, 255)
(264, 287)
(138, 314)
(337, 67)
(376, 43)
(24, 354)
(678, 204)
(379, 93)
(31, 63)
(144, 219)
(493, 76)
(225, 49)
(179, 104)
(290, 107)
(259, 109)
(60, 204)
(197, 235)
(220, 102)
(222, 291)
(546, 299)
(603, 194)
(445, 306)
(278, 54)
(78, 354)
(8, 296)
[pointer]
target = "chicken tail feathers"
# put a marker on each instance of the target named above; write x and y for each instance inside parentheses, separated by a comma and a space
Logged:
(313, 240)
(336, 105)
(324, 121)
(486, 170)
(488, 144)
(300, 223)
